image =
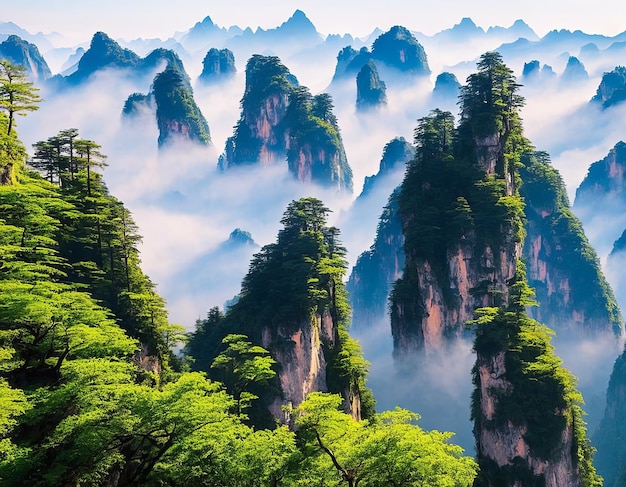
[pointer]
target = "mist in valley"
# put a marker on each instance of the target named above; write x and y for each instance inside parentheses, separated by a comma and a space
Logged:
(186, 208)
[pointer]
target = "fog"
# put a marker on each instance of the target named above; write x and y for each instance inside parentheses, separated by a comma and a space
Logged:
(185, 208)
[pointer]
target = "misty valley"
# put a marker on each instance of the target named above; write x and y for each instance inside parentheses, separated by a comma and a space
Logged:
(277, 258)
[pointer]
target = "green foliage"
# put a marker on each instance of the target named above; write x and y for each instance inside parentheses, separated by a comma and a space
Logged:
(457, 194)
(389, 449)
(243, 364)
(489, 101)
(548, 213)
(292, 283)
(174, 101)
(541, 396)
(17, 94)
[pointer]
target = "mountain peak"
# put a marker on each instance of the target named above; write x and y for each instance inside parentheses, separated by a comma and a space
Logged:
(466, 25)
(298, 21)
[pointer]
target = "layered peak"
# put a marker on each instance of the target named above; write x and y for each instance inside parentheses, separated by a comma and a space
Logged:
(398, 48)
(18, 51)
(298, 23)
(282, 121)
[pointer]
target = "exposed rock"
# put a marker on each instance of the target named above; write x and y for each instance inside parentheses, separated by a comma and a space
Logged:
(446, 86)
(18, 51)
(398, 48)
(178, 116)
(605, 182)
(612, 88)
(377, 269)
(610, 458)
(218, 64)
(574, 71)
(370, 89)
(301, 358)
(281, 121)
(562, 266)
(503, 449)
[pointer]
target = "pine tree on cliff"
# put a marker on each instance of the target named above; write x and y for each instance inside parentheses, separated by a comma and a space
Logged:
(526, 409)
(293, 303)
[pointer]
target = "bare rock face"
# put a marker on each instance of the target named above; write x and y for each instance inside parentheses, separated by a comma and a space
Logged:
(301, 358)
(505, 446)
(475, 278)
(218, 65)
(282, 122)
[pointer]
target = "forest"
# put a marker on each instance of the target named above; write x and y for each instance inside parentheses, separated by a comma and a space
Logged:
(98, 388)
(92, 392)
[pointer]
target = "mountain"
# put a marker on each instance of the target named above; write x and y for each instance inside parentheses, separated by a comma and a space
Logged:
(204, 34)
(370, 89)
(446, 87)
(378, 268)
(574, 71)
(397, 49)
(18, 51)
(217, 65)
(281, 121)
(294, 35)
(396, 153)
(43, 41)
(103, 53)
(604, 187)
(527, 414)
(293, 303)
(533, 72)
(452, 269)
(611, 455)
(178, 116)
(562, 266)
(612, 88)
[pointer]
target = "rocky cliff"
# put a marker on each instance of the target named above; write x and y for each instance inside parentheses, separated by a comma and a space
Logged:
(18, 51)
(397, 49)
(379, 267)
(293, 303)
(612, 88)
(604, 185)
(105, 53)
(446, 86)
(609, 439)
(218, 65)
(171, 99)
(371, 92)
(281, 121)
(461, 217)
(563, 267)
(574, 71)
(178, 116)
(453, 275)
(527, 418)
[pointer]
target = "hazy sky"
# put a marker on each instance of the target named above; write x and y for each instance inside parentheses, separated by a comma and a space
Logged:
(130, 19)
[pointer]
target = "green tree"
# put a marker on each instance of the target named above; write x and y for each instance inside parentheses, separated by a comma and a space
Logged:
(389, 449)
(243, 364)
(17, 94)
(90, 157)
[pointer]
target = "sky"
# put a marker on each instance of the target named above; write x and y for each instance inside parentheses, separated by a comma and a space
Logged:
(79, 19)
